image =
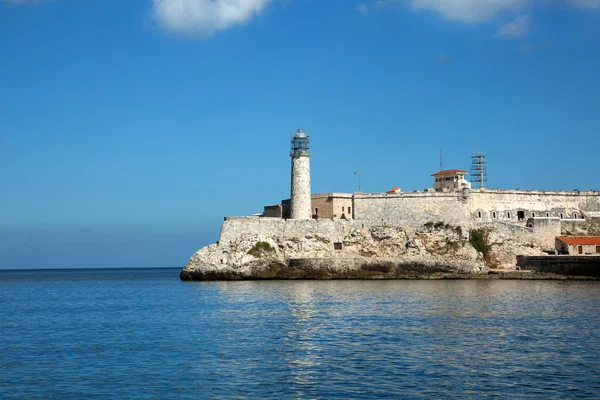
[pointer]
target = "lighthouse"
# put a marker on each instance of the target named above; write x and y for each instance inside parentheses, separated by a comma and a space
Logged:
(300, 207)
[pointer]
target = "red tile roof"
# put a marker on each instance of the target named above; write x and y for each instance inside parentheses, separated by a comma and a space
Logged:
(450, 172)
(394, 190)
(583, 240)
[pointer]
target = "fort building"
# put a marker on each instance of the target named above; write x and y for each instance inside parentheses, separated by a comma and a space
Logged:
(453, 179)
(578, 245)
(451, 200)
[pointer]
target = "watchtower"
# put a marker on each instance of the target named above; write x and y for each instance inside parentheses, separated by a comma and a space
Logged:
(300, 207)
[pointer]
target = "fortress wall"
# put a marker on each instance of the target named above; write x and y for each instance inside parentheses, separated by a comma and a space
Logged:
(542, 234)
(234, 228)
(503, 202)
(588, 227)
(412, 210)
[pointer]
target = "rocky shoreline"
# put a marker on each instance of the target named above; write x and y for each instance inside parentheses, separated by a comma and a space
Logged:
(356, 269)
(375, 253)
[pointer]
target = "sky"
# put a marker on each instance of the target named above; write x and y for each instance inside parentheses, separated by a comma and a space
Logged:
(129, 129)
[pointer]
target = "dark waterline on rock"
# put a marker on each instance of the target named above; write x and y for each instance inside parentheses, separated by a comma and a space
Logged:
(145, 334)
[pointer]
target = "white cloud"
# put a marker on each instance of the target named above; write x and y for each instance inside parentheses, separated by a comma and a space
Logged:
(515, 28)
(476, 11)
(468, 10)
(205, 17)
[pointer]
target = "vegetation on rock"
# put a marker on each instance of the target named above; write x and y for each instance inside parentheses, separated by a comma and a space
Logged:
(478, 242)
(260, 248)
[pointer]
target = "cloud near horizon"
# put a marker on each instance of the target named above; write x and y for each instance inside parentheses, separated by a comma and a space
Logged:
(203, 18)
(477, 11)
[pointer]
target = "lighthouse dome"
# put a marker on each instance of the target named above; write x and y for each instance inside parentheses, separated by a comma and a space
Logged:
(300, 144)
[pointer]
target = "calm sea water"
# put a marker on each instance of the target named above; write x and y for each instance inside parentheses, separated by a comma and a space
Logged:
(145, 334)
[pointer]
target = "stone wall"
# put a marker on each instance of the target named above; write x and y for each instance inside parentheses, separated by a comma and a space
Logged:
(563, 265)
(505, 205)
(234, 228)
(590, 226)
(412, 210)
(467, 207)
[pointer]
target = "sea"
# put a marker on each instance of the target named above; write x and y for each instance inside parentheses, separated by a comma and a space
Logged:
(144, 334)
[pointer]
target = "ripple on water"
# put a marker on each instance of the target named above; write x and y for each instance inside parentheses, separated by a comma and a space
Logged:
(131, 335)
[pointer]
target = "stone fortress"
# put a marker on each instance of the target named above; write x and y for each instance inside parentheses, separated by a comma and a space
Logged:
(362, 231)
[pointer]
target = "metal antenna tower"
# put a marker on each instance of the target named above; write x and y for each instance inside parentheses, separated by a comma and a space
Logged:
(478, 170)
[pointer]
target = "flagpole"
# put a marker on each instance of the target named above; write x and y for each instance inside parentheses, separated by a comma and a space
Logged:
(359, 182)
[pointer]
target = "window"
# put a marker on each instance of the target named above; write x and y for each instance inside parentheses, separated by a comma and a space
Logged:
(494, 215)
(598, 249)
(508, 215)
(575, 215)
(532, 215)
(342, 209)
(580, 250)
(561, 215)
(547, 214)
(521, 215)
(349, 210)
(478, 214)
(337, 246)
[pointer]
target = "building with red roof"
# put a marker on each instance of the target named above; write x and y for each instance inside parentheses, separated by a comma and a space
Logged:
(450, 179)
(575, 245)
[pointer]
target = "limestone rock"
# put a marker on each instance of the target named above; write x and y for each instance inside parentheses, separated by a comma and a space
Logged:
(379, 252)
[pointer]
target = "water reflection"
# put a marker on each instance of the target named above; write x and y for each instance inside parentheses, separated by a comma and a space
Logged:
(462, 337)
(161, 338)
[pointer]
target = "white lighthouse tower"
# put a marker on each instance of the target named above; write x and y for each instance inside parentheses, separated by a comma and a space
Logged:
(300, 207)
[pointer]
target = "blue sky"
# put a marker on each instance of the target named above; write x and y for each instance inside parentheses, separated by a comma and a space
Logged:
(128, 129)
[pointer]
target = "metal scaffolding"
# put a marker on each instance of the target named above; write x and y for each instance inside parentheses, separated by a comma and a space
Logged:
(478, 170)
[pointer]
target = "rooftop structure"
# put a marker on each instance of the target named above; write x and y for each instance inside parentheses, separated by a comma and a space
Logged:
(451, 179)
(478, 170)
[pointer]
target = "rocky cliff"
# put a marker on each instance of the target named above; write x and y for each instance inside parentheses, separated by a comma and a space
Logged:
(376, 252)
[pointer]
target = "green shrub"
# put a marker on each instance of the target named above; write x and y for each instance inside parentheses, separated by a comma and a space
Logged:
(478, 242)
(260, 248)
(438, 224)
(458, 230)
(429, 224)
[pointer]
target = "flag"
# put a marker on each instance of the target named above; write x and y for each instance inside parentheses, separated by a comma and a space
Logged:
(357, 172)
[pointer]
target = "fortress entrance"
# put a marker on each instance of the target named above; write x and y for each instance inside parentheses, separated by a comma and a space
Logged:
(521, 215)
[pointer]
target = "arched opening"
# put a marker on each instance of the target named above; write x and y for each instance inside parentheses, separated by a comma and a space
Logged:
(478, 214)
(494, 214)
(508, 215)
(547, 214)
(520, 215)
(575, 216)
(532, 215)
